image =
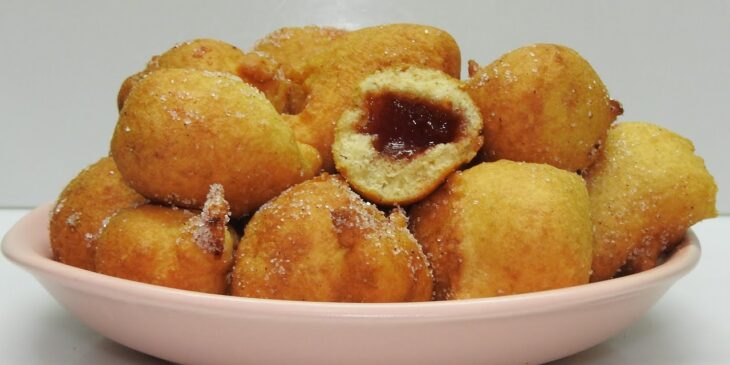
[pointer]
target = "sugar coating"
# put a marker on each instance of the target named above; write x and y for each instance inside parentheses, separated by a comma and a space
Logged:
(82, 210)
(209, 227)
(158, 245)
(542, 103)
(320, 241)
(73, 218)
(182, 130)
(199, 54)
(646, 188)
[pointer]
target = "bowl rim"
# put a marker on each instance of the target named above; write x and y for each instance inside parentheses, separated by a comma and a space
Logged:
(28, 247)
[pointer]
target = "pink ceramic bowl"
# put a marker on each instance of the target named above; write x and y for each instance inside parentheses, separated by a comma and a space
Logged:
(189, 327)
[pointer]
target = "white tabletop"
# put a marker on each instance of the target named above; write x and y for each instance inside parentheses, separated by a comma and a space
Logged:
(689, 325)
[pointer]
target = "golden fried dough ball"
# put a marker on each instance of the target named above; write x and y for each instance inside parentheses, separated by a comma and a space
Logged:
(170, 247)
(542, 103)
(506, 227)
(82, 210)
(333, 75)
(277, 62)
(409, 129)
(182, 130)
(646, 188)
(292, 47)
(319, 241)
(199, 54)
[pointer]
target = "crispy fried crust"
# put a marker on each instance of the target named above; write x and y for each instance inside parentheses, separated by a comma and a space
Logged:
(646, 189)
(198, 54)
(165, 246)
(505, 228)
(83, 209)
(542, 103)
(293, 47)
(182, 130)
(319, 241)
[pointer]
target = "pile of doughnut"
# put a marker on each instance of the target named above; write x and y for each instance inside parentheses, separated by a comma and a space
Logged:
(356, 166)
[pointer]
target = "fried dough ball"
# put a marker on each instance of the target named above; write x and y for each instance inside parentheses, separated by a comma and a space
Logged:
(319, 241)
(333, 75)
(646, 189)
(409, 130)
(277, 62)
(199, 54)
(319, 84)
(504, 228)
(542, 103)
(293, 47)
(82, 210)
(170, 247)
(182, 130)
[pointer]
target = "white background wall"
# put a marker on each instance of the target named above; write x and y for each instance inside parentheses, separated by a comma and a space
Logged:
(61, 63)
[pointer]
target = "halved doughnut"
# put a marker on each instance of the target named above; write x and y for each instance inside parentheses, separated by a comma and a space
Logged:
(407, 131)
